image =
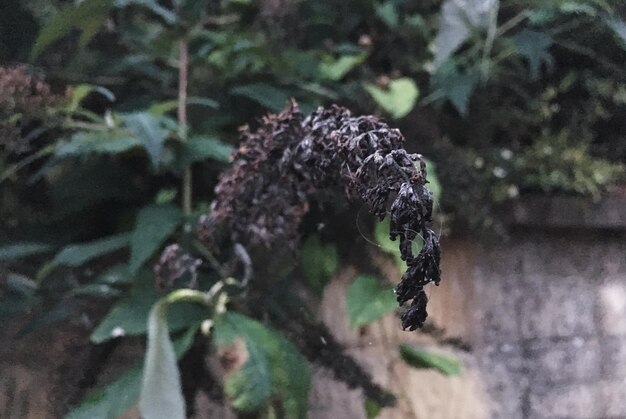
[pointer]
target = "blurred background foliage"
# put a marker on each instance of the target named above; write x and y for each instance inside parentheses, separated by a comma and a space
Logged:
(506, 98)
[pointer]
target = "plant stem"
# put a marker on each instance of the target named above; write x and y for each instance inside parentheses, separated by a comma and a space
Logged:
(183, 77)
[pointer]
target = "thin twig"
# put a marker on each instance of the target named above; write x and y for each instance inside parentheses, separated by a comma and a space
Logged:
(183, 77)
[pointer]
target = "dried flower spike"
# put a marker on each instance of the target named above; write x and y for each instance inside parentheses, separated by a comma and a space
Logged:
(263, 197)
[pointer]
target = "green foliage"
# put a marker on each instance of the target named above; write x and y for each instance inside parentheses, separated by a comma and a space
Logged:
(420, 358)
(372, 409)
(130, 315)
(79, 254)
(154, 224)
(273, 367)
(150, 130)
(15, 251)
(534, 46)
(368, 301)
(398, 99)
(112, 401)
(319, 261)
(272, 98)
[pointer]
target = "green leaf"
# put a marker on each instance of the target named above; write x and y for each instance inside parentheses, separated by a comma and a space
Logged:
(433, 182)
(85, 143)
(458, 19)
(337, 69)
(618, 26)
(319, 262)
(387, 12)
(200, 148)
(273, 367)
(161, 391)
(112, 401)
(420, 358)
(153, 5)
(367, 301)
(372, 408)
(115, 275)
(86, 17)
(381, 234)
(455, 86)
(269, 96)
(96, 290)
(79, 254)
(534, 46)
(129, 317)
(161, 108)
(155, 223)
(399, 99)
(21, 250)
(81, 91)
(150, 130)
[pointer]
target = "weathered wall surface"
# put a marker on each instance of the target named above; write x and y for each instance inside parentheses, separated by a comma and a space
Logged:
(550, 315)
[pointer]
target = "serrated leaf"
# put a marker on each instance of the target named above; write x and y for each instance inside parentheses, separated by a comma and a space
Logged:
(200, 148)
(79, 254)
(534, 46)
(129, 317)
(319, 261)
(21, 250)
(273, 367)
(399, 99)
(458, 19)
(97, 142)
(86, 17)
(150, 130)
(269, 96)
(155, 223)
(367, 301)
(161, 391)
(420, 358)
(337, 69)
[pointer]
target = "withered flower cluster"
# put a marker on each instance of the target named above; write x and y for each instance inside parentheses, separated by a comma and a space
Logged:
(23, 99)
(263, 197)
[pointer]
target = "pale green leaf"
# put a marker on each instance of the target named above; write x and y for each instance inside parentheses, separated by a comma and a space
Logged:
(153, 5)
(367, 301)
(269, 96)
(96, 290)
(319, 261)
(161, 391)
(273, 368)
(420, 358)
(337, 69)
(23, 249)
(161, 108)
(81, 91)
(79, 254)
(399, 99)
(372, 408)
(458, 19)
(155, 224)
(381, 234)
(201, 148)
